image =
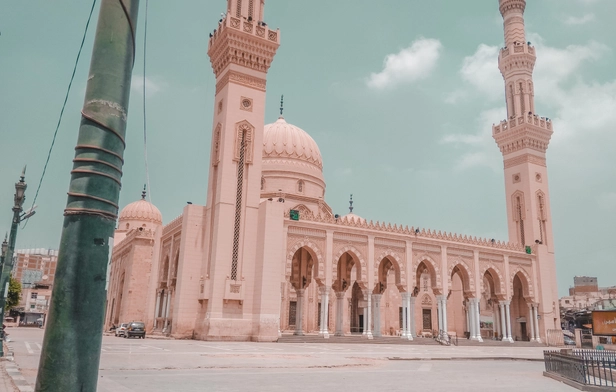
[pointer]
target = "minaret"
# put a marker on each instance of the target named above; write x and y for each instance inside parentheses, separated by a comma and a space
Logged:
(241, 50)
(523, 140)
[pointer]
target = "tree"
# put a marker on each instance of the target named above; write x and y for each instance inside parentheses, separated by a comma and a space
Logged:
(14, 294)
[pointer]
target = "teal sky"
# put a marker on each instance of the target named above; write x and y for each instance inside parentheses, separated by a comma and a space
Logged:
(400, 96)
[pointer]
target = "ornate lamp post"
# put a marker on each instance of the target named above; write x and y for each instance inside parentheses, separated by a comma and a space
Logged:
(7, 264)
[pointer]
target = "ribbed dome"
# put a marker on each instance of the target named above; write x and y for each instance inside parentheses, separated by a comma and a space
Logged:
(141, 210)
(283, 140)
(356, 218)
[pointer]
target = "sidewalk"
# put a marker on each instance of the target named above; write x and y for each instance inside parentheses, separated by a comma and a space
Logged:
(11, 379)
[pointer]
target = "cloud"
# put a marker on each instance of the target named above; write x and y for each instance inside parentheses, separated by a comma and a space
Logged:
(481, 71)
(409, 65)
(456, 96)
(151, 87)
(572, 20)
(578, 107)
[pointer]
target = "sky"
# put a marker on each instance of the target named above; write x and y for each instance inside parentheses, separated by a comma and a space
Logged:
(400, 96)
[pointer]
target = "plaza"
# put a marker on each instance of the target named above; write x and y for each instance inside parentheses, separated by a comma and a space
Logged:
(155, 365)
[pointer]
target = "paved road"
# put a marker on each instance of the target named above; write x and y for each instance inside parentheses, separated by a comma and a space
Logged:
(155, 365)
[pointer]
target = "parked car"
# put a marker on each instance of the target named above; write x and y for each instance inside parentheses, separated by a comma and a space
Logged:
(135, 328)
(569, 341)
(119, 331)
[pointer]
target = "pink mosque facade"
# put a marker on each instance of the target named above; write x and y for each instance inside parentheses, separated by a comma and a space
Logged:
(266, 255)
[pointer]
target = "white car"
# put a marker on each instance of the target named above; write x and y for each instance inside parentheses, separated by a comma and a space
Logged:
(121, 329)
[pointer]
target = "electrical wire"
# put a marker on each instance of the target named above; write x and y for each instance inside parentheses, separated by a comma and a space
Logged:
(68, 90)
(145, 128)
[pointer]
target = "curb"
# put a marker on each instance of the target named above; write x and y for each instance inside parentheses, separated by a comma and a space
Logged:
(467, 359)
(13, 371)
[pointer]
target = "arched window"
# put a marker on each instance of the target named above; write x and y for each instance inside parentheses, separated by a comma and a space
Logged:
(300, 186)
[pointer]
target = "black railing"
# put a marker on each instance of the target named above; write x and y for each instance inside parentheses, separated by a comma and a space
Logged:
(587, 367)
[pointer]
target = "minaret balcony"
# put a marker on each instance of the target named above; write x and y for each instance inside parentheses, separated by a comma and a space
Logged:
(533, 119)
(529, 131)
(242, 41)
(517, 48)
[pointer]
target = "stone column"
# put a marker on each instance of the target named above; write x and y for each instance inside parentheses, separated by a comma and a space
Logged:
(536, 322)
(324, 330)
(444, 311)
(410, 314)
(508, 318)
(467, 314)
(377, 314)
(477, 312)
(439, 312)
(503, 324)
(339, 313)
(156, 309)
(531, 322)
(471, 319)
(299, 313)
(166, 311)
(404, 327)
(368, 314)
(494, 320)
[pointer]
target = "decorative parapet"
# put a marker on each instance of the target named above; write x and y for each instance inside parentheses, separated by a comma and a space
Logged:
(173, 225)
(529, 119)
(529, 131)
(410, 231)
(240, 41)
(521, 48)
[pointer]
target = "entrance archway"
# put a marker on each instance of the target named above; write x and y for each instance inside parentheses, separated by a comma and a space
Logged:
(302, 269)
(520, 317)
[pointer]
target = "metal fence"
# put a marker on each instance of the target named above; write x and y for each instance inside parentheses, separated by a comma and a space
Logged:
(588, 367)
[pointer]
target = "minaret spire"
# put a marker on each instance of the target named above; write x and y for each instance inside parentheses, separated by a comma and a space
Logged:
(281, 105)
(351, 204)
(143, 193)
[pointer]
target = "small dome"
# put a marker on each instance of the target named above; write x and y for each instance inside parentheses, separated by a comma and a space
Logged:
(141, 210)
(352, 216)
(283, 140)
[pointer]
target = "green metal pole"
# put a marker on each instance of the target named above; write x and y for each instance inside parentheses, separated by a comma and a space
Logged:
(71, 347)
(7, 265)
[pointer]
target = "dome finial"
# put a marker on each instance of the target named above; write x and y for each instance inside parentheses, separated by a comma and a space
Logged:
(143, 193)
(351, 204)
(281, 105)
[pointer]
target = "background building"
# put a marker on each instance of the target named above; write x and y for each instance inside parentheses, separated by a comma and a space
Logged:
(35, 270)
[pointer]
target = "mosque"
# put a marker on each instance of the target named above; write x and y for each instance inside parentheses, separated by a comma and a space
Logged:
(265, 255)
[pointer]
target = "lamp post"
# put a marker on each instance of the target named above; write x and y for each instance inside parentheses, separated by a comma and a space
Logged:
(7, 264)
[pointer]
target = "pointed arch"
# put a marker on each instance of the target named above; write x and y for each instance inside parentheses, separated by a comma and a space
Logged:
(398, 264)
(358, 258)
(244, 135)
(497, 278)
(315, 253)
(526, 280)
(460, 266)
(304, 212)
(433, 269)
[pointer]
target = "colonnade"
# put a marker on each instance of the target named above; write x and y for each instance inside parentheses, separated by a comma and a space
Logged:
(372, 312)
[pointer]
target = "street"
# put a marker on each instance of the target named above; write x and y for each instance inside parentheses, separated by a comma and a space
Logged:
(156, 365)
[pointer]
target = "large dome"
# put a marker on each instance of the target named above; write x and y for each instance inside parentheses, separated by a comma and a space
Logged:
(292, 162)
(142, 211)
(283, 140)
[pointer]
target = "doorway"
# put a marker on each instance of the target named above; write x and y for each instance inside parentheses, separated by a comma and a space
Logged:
(427, 319)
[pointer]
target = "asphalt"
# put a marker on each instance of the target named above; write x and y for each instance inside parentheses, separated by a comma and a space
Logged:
(168, 365)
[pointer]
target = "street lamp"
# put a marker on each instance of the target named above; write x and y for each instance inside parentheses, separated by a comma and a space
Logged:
(8, 248)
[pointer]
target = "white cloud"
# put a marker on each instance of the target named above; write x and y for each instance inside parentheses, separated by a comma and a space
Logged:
(456, 96)
(481, 71)
(151, 87)
(580, 20)
(409, 65)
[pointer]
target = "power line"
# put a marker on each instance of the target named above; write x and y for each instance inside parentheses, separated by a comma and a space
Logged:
(68, 90)
(145, 132)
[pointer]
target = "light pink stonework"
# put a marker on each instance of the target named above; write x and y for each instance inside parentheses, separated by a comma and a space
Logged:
(241, 268)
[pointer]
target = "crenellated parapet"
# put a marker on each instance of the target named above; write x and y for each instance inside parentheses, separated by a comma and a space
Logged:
(529, 131)
(517, 59)
(409, 231)
(173, 225)
(243, 42)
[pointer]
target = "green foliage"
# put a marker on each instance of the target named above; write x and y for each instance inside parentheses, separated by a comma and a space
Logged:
(14, 294)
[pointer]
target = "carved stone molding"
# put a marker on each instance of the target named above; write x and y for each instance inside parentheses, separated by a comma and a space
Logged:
(522, 159)
(240, 78)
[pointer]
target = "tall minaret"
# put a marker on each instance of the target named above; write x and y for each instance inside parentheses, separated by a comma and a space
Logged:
(523, 140)
(241, 50)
